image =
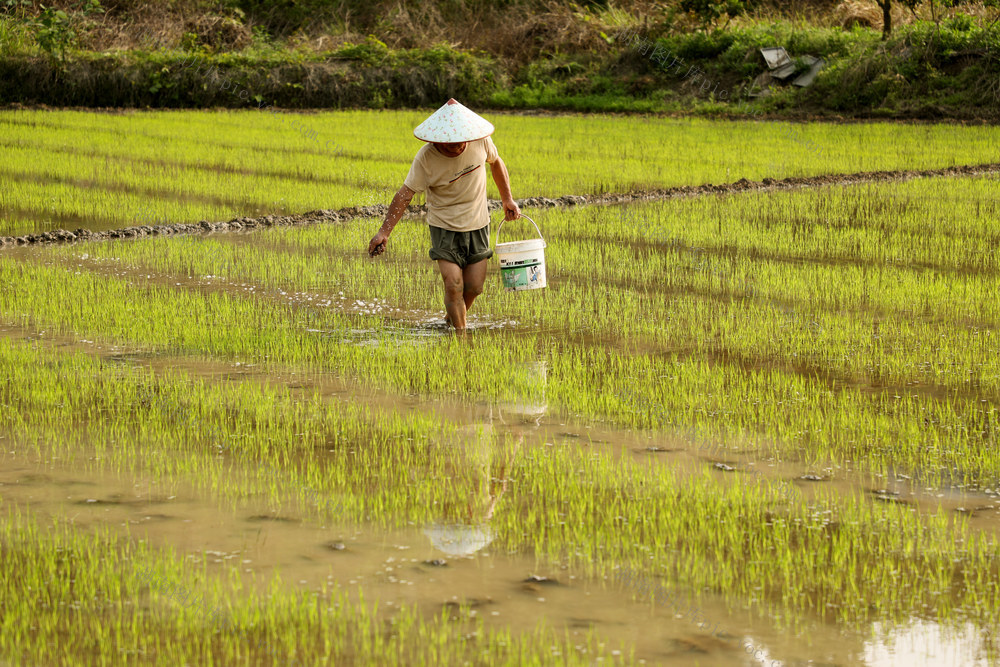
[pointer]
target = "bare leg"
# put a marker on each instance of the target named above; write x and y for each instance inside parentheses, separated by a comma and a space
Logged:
(473, 277)
(454, 287)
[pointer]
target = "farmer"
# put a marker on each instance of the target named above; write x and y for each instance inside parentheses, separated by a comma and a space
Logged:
(450, 168)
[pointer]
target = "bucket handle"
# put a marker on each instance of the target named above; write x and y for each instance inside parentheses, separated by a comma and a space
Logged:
(526, 218)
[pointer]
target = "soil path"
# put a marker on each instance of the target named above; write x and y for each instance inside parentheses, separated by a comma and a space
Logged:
(379, 210)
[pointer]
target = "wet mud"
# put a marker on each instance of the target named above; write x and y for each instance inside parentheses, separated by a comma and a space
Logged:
(403, 567)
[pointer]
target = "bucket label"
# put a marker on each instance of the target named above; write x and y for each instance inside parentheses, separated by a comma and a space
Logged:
(512, 264)
(526, 276)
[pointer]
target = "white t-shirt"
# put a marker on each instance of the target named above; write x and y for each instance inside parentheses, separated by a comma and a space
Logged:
(455, 186)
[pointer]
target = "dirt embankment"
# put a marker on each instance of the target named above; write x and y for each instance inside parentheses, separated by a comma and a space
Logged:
(379, 210)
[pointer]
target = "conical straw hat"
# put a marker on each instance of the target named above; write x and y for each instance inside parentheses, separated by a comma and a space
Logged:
(453, 123)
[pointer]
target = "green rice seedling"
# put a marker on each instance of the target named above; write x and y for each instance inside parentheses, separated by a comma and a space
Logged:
(102, 599)
(216, 324)
(764, 348)
(118, 170)
(594, 513)
(837, 327)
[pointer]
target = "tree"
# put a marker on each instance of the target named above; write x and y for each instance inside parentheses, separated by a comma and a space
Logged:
(710, 11)
(886, 6)
(54, 28)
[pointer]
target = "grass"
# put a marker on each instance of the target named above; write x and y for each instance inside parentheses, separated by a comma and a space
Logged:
(834, 557)
(83, 598)
(553, 57)
(70, 169)
(847, 330)
(898, 354)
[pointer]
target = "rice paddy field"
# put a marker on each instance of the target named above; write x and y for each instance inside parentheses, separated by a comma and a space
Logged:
(70, 169)
(754, 428)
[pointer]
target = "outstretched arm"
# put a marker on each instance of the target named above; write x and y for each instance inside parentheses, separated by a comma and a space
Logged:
(502, 179)
(396, 210)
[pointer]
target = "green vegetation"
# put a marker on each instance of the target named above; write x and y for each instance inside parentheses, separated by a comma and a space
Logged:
(799, 554)
(804, 349)
(941, 64)
(70, 169)
(84, 599)
(834, 555)
(714, 284)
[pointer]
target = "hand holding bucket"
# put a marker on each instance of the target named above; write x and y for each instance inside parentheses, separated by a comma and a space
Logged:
(522, 263)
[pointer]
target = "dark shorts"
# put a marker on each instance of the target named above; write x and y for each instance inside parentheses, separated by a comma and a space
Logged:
(462, 248)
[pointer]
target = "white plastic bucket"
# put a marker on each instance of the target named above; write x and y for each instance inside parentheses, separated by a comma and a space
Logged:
(522, 263)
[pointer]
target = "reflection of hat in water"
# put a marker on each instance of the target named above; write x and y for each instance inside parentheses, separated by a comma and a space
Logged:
(453, 123)
(459, 539)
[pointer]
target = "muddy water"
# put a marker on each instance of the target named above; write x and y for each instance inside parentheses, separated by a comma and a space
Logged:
(404, 567)
(399, 567)
(413, 325)
(731, 462)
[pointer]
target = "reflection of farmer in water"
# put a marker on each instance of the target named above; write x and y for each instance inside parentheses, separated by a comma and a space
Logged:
(450, 168)
(465, 528)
